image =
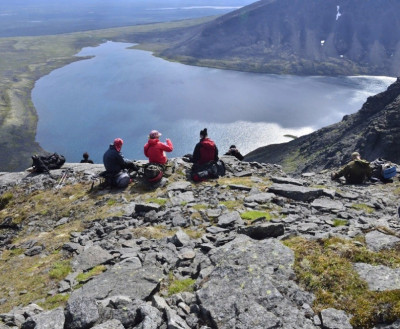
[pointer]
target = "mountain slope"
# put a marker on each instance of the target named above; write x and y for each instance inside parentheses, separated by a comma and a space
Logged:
(374, 131)
(307, 37)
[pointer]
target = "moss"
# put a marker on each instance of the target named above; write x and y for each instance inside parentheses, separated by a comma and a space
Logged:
(5, 199)
(325, 268)
(111, 202)
(153, 232)
(339, 222)
(232, 204)
(253, 215)
(83, 277)
(363, 207)
(177, 286)
(60, 270)
(54, 301)
(159, 201)
(199, 206)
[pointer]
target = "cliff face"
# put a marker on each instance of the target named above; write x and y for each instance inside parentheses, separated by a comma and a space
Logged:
(306, 37)
(254, 249)
(374, 131)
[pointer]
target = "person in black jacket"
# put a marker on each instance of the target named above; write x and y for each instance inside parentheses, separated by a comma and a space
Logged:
(114, 161)
(86, 158)
(205, 150)
(235, 152)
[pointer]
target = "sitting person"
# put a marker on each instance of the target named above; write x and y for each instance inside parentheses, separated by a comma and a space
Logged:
(115, 165)
(86, 158)
(205, 150)
(356, 171)
(235, 152)
(155, 150)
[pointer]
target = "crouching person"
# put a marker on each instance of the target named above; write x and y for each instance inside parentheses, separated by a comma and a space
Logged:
(357, 171)
(117, 166)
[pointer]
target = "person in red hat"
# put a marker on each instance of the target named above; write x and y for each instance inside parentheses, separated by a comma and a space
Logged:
(115, 163)
(155, 149)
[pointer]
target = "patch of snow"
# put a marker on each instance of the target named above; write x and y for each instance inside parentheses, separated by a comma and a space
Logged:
(338, 14)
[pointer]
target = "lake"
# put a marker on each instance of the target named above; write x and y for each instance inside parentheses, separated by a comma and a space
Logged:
(126, 93)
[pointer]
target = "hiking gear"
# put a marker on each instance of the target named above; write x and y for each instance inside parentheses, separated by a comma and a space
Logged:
(212, 169)
(155, 150)
(114, 161)
(154, 134)
(205, 151)
(118, 144)
(44, 163)
(153, 172)
(122, 179)
(383, 170)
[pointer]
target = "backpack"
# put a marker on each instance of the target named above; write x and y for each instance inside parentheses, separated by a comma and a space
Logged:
(383, 169)
(153, 172)
(212, 169)
(44, 163)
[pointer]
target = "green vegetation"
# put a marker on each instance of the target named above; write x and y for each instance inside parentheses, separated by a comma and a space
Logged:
(254, 214)
(54, 301)
(232, 204)
(5, 199)
(177, 286)
(60, 270)
(83, 277)
(363, 207)
(158, 201)
(324, 267)
(339, 222)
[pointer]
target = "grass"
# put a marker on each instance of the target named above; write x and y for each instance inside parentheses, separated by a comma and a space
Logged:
(60, 270)
(5, 199)
(54, 301)
(172, 286)
(232, 204)
(84, 277)
(254, 214)
(324, 267)
(339, 222)
(159, 201)
(361, 206)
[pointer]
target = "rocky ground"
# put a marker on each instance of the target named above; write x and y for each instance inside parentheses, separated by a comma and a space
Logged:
(219, 254)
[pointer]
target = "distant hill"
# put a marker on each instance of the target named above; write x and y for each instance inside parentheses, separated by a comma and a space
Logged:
(304, 37)
(374, 131)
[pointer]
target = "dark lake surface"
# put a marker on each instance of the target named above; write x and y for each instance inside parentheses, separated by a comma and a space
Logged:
(126, 93)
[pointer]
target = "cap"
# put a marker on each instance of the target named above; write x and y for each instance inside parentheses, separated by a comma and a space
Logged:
(118, 144)
(154, 134)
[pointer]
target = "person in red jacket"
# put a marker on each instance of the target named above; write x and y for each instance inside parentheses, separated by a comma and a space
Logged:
(205, 150)
(155, 150)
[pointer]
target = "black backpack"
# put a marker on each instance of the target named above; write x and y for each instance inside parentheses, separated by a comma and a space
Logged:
(382, 169)
(153, 172)
(44, 163)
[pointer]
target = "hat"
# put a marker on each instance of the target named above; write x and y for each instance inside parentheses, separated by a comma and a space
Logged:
(232, 147)
(355, 155)
(118, 144)
(154, 134)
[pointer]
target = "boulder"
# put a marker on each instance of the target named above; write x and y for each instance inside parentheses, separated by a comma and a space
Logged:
(295, 192)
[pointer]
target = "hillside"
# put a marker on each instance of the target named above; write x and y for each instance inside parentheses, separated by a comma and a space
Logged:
(307, 37)
(374, 131)
(254, 249)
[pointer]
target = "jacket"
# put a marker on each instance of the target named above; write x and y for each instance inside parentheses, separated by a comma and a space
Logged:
(205, 151)
(155, 150)
(355, 172)
(235, 152)
(114, 161)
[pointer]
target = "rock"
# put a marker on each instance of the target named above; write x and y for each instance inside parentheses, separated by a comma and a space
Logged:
(239, 187)
(90, 257)
(182, 198)
(288, 180)
(295, 192)
(335, 319)
(180, 239)
(230, 219)
(260, 197)
(36, 250)
(53, 319)
(327, 205)
(81, 313)
(379, 278)
(174, 320)
(111, 324)
(263, 231)
(377, 241)
(146, 207)
(179, 186)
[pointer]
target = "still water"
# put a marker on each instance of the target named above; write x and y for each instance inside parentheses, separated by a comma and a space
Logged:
(126, 93)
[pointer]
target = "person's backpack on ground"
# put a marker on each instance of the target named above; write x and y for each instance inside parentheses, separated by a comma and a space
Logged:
(44, 163)
(153, 172)
(383, 170)
(212, 169)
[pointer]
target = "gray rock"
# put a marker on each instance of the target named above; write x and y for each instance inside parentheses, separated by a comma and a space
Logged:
(239, 187)
(379, 278)
(377, 241)
(335, 319)
(81, 313)
(138, 282)
(295, 192)
(146, 207)
(151, 317)
(91, 257)
(263, 231)
(36, 250)
(327, 205)
(174, 320)
(288, 180)
(179, 220)
(245, 277)
(394, 325)
(230, 219)
(180, 239)
(182, 198)
(179, 186)
(111, 324)
(53, 319)
(260, 197)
